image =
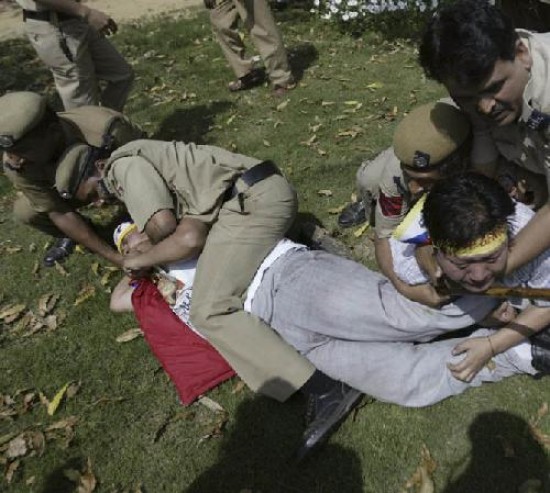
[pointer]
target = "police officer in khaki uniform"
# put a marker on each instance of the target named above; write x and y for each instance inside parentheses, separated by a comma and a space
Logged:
(499, 77)
(69, 37)
(34, 139)
(258, 20)
(232, 209)
(431, 143)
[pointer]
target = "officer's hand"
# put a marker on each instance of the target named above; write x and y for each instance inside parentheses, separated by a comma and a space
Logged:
(426, 260)
(209, 4)
(478, 351)
(101, 22)
(132, 267)
(501, 315)
(425, 294)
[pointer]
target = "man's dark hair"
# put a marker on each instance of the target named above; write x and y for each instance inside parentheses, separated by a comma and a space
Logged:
(463, 41)
(465, 207)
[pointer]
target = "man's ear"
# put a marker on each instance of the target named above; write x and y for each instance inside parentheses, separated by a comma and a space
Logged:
(523, 55)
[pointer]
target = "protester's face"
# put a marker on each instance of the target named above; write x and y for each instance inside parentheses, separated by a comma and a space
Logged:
(476, 273)
(136, 243)
(419, 182)
(499, 99)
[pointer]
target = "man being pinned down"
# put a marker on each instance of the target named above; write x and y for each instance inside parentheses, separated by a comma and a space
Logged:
(312, 299)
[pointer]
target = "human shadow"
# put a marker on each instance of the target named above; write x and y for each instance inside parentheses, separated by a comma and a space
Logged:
(58, 482)
(300, 58)
(191, 124)
(504, 457)
(257, 454)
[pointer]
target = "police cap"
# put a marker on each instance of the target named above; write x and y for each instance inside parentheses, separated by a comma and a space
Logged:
(20, 112)
(70, 169)
(429, 134)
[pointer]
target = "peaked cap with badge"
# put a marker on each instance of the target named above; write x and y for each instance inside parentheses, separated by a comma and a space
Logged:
(429, 134)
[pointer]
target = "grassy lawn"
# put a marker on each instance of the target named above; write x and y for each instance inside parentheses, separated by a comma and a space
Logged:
(121, 413)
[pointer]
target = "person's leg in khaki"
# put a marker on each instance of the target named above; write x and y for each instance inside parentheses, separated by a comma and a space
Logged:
(236, 245)
(224, 17)
(62, 247)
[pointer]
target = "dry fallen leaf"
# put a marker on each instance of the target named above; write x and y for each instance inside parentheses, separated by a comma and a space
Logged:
(17, 447)
(211, 404)
(324, 193)
(10, 470)
(12, 312)
(361, 230)
(129, 335)
(336, 210)
(88, 481)
(84, 294)
(283, 105)
(59, 268)
(54, 403)
(239, 387)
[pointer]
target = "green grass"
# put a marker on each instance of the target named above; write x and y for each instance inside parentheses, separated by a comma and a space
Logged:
(352, 93)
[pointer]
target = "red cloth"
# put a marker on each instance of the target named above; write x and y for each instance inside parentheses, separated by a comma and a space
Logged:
(191, 362)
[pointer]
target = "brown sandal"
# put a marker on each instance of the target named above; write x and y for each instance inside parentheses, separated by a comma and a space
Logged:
(254, 78)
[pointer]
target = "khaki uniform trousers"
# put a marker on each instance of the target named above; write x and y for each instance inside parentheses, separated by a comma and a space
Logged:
(258, 20)
(25, 213)
(236, 245)
(94, 59)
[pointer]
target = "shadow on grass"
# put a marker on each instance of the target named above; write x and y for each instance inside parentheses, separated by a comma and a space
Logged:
(191, 124)
(503, 457)
(257, 455)
(57, 481)
(301, 57)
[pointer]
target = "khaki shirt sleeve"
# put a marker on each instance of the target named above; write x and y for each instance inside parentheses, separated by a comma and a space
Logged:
(391, 205)
(138, 184)
(40, 193)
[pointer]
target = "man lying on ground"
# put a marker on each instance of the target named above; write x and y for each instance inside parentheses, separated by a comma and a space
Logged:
(313, 300)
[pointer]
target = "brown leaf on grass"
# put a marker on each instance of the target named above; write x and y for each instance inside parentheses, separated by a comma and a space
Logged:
(211, 404)
(35, 268)
(84, 294)
(217, 429)
(327, 103)
(315, 128)
(68, 422)
(47, 303)
(266, 143)
(309, 142)
(73, 389)
(59, 268)
(56, 401)
(534, 422)
(129, 335)
(32, 247)
(12, 312)
(421, 479)
(283, 105)
(37, 441)
(95, 268)
(13, 249)
(321, 152)
(324, 193)
(337, 210)
(28, 401)
(88, 481)
(17, 447)
(24, 322)
(10, 470)
(238, 387)
(360, 231)
(106, 277)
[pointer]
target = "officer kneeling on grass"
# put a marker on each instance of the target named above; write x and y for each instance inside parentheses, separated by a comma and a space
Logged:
(34, 140)
(232, 210)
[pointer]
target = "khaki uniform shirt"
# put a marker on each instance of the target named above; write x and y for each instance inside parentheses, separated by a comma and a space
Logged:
(393, 199)
(526, 142)
(150, 176)
(37, 180)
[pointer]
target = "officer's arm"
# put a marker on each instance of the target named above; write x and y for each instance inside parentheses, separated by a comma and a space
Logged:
(425, 294)
(186, 242)
(531, 240)
(484, 154)
(73, 225)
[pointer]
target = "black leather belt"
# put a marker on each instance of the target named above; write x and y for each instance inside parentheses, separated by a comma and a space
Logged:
(259, 172)
(46, 15)
(251, 176)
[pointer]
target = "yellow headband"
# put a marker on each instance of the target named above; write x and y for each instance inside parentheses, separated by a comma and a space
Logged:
(482, 246)
(121, 232)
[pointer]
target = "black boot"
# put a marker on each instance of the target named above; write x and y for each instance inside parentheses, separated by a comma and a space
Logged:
(354, 214)
(328, 404)
(60, 250)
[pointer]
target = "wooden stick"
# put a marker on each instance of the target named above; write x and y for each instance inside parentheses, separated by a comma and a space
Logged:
(505, 292)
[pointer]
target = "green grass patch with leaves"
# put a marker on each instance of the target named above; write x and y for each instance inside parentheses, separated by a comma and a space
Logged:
(118, 426)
